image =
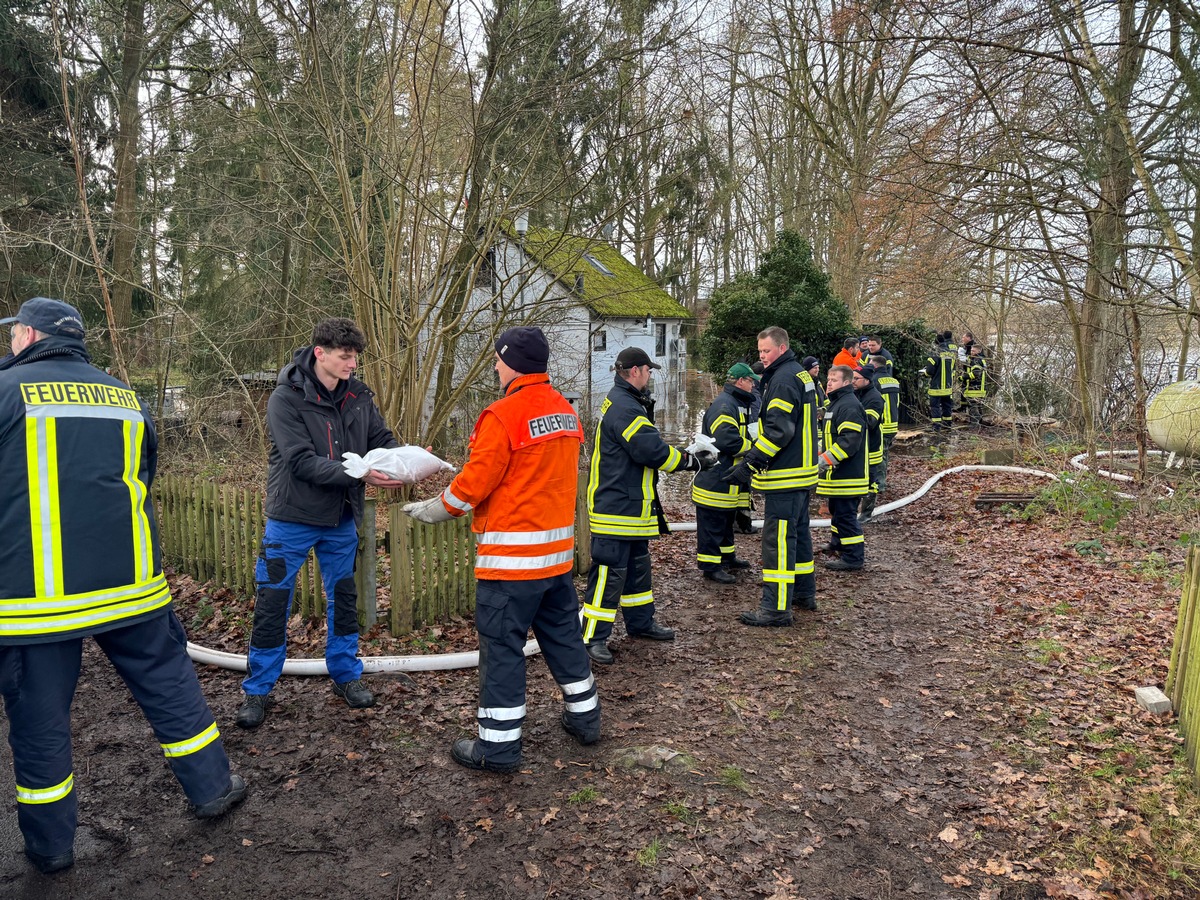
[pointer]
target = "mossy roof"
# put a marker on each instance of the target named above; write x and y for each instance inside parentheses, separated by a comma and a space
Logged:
(621, 291)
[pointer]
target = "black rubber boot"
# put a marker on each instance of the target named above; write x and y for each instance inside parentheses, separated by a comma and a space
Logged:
(767, 618)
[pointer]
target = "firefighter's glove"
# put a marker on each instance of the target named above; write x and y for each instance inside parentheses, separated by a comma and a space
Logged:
(740, 474)
(432, 510)
(689, 462)
(824, 464)
(706, 458)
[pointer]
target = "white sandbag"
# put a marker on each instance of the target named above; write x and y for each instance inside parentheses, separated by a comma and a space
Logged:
(702, 443)
(408, 464)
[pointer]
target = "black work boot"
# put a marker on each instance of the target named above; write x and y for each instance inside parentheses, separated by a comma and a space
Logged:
(734, 563)
(49, 864)
(463, 753)
(655, 632)
(840, 565)
(598, 652)
(585, 735)
(867, 509)
(355, 693)
(769, 618)
(252, 712)
(808, 603)
(227, 801)
(720, 576)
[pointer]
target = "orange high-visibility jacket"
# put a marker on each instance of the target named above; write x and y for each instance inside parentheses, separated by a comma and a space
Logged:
(521, 480)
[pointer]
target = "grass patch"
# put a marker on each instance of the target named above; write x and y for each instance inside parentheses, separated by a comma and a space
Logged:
(733, 777)
(681, 812)
(1048, 649)
(648, 855)
(583, 795)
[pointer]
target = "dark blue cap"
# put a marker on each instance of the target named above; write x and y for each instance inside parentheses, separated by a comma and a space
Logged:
(48, 317)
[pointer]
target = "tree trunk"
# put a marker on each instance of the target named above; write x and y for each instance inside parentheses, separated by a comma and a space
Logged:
(124, 244)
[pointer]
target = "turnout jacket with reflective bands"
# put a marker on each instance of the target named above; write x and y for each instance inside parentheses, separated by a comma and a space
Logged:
(889, 389)
(627, 451)
(976, 383)
(311, 427)
(784, 457)
(939, 366)
(873, 409)
(725, 422)
(78, 452)
(522, 480)
(845, 441)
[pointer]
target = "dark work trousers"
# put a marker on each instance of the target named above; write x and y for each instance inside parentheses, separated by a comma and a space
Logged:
(714, 537)
(38, 683)
(504, 613)
(620, 577)
(880, 476)
(787, 555)
(285, 549)
(941, 410)
(847, 533)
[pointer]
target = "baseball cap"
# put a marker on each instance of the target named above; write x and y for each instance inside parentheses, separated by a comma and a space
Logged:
(48, 317)
(635, 356)
(741, 370)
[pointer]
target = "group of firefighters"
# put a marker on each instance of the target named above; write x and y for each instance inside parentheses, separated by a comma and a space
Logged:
(83, 559)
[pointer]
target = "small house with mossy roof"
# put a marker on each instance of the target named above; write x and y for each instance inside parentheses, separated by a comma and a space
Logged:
(592, 303)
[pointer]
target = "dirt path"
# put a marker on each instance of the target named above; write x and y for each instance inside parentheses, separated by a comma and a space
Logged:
(842, 758)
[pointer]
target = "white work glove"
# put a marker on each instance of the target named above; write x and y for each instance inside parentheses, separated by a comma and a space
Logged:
(432, 510)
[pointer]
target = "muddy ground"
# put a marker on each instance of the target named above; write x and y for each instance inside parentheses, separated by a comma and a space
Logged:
(854, 755)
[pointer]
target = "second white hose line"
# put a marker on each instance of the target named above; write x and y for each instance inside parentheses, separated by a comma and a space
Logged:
(437, 662)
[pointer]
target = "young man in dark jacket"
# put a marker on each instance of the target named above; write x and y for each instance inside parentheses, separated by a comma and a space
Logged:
(873, 408)
(842, 468)
(317, 412)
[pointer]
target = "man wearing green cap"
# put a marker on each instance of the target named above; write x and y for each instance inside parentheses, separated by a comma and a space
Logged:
(717, 501)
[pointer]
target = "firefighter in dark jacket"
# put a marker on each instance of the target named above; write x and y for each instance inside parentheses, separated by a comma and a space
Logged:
(783, 465)
(939, 370)
(975, 387)
(317, 412)
(623, 508)
(717, 501)
(873, 408)
(842, 468)
(889, 388)
(80, 558)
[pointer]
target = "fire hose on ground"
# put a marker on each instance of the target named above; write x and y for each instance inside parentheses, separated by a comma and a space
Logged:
(436, 662)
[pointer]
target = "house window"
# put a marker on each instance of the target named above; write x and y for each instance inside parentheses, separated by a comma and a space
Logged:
(660, 339)
(487, 270)
(600, 340)
(599, 266)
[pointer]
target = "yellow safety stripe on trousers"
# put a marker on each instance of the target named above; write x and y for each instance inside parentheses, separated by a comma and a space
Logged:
(46, 795)
(805, 568)
(41, 461)
(54, 615)
(729, 551)
(730, 500)
(143, 552)
(778, 576)
(974, 394)
(779, 403)
(637, 599)
(781, 555)
(191, 745)
(856, 539)
(708, 558)
(635, 426)
(941, 392)
(781, 596)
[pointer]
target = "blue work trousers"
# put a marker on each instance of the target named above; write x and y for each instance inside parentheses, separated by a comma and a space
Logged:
(285, 549)
(38, 684)
(504, 613)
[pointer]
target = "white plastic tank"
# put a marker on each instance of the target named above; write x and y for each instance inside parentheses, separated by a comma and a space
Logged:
(1173, 418)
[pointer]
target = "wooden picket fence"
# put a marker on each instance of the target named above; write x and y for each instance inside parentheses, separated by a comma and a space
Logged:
(213, 532)
(1183, 676)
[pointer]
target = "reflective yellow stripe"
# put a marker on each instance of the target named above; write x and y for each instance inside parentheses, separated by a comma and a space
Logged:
(856, 539)
(725, 419)
(637, 599)
(41, 460)
(708, 558)
(674, 458)
(633, 427)
(143, 553)
(55, 615)
(729, 500)
(46, 795)
(779, 403)
(766, 446)
(849, 426)
(191, 745)
(805, 568)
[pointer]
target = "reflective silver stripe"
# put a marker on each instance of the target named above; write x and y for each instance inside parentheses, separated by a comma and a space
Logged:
(577, 687)
(450, 500)
(47, 538)
(583, 705)
(137, 493)
(502, 713)
(499, 737)
(517, 538)
(524, 562)
(46, 795)
(71, 411)
(43, 605)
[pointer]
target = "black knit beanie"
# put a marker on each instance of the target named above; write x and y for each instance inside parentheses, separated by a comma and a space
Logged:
(524, 349)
